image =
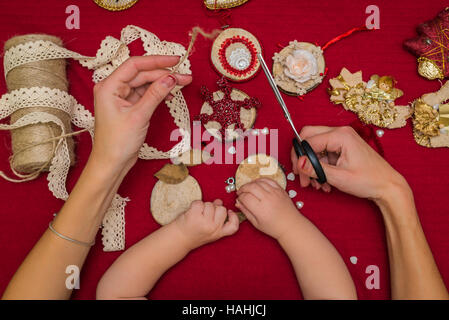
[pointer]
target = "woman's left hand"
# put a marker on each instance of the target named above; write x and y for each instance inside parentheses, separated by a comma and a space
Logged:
(124, 104)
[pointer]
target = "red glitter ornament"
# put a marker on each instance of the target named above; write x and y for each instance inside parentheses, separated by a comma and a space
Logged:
(226, 111)
(432, 47)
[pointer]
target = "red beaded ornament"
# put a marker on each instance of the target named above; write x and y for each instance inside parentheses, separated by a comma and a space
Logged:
(226, 111)
(224, 61)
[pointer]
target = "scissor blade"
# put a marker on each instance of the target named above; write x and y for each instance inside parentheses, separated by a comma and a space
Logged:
(277, 93)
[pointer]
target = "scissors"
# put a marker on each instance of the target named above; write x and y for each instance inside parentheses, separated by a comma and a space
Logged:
(302, 147)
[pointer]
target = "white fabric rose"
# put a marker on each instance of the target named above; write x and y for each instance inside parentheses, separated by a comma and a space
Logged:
(301, 65)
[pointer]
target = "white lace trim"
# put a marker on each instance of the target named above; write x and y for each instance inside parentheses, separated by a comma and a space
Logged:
(112, 53)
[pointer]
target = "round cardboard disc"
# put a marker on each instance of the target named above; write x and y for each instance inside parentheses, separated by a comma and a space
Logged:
(259, 166)
(289, 85)
(234, 54)
(168, 201)
(247, 116)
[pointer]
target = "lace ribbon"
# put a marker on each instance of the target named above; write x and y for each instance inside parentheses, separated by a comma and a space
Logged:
(112, 53)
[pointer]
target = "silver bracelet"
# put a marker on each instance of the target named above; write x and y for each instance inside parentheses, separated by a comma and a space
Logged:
(86, 244)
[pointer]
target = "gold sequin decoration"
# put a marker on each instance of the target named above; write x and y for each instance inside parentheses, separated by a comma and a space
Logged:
(115, 5)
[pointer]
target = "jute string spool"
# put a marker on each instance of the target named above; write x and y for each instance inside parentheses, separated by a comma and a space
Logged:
(33, 146)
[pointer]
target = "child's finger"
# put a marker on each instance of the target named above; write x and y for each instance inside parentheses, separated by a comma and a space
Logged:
(220, 215)
(246, 212)
(249, 201)
(218, 202)
(209, 210)
(254, 189)
(269, 184)
(197, 205)
(232, 225)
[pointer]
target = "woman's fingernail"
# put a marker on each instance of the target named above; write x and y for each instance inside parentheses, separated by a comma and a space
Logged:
(303, 164)
(169, 81)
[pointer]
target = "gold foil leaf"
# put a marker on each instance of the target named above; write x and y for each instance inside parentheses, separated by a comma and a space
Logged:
(429, 69)
(172, 173)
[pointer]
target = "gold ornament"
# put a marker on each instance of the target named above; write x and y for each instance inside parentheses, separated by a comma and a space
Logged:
(429, 69)
(425, 119)
(372, 101)
(223, 4)
(115, 5)
(431, 118)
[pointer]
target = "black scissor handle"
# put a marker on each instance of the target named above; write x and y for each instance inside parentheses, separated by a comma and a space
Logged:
(303, 148)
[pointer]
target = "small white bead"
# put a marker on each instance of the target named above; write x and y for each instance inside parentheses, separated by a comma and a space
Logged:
(353, 260)
(291, 176)
(292, 193)
(255, 132)
(265, 131)
(380, 133)
(228, 188)
(299, 204)
(232, 187)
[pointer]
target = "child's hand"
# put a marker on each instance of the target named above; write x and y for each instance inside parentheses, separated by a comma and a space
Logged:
(206, 222)
(267, 206)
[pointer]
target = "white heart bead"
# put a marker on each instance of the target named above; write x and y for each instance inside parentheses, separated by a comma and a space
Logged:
(353, 260)
(291, 176)
(292, 193)
(232, 150)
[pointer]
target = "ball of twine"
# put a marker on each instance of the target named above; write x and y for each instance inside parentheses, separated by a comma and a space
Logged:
(34, 145)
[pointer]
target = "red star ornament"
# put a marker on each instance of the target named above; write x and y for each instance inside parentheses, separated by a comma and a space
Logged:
(432, 47)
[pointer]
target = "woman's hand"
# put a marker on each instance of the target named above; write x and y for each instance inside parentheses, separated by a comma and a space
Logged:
(267, 206)
(124, 104)
(206, 222)
(350, 164)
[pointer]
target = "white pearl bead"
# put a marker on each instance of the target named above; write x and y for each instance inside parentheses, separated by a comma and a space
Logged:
(255, 132)
(265, 131)
(299, 204)
(353, 260)
(380, 133)
(228, 188)
(291, 176)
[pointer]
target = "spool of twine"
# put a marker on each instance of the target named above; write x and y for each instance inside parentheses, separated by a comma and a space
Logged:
(33, 146)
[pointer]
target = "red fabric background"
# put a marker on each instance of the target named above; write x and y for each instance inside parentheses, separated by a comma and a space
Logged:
(248, 265)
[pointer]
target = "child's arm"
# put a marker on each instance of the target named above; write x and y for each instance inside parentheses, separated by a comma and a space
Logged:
(320, 270)
(136, 271)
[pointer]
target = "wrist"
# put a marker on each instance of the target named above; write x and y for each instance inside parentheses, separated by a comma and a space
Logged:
(397, 202)
(187, 243)
(289, 226)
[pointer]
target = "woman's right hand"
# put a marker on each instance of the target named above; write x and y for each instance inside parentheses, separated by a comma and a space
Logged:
(350, 164)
